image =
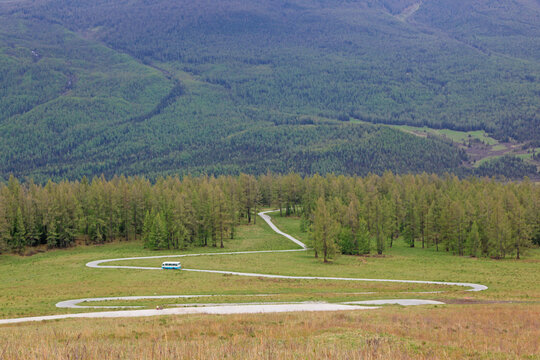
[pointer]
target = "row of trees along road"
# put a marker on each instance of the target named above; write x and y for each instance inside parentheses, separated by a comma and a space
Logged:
(349, 215)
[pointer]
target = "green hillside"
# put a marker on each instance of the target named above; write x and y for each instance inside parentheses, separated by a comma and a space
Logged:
(163, 87)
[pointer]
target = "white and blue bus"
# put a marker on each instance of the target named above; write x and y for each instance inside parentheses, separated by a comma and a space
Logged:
(175, 265)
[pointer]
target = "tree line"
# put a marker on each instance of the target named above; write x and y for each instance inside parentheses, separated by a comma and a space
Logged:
(343, 214)
(475, 217)
(170, 213)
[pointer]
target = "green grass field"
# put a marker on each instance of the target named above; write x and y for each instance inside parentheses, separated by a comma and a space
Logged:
(62, 274)
(473, 325)
(454, 135)
(486, 159)
(526, 157)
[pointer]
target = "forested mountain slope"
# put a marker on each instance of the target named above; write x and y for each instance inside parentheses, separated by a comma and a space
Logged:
(160, 87)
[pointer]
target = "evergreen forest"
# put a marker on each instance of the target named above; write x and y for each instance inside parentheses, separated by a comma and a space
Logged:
(157, 88)
(350, 215)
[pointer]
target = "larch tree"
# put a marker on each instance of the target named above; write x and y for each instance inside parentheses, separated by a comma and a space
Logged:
(353, 219)
(278, 194)
(363, 237)
(250, 194)
(473, 240)
(159, 232)
(520, 227)
(324, 232)
(18, 232)
(380, 220)
(220, 214)
(499, 230)
(148, 241)
(4, 227)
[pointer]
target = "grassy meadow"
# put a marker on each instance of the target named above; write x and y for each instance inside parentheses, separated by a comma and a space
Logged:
(473, 325)
(454, 135)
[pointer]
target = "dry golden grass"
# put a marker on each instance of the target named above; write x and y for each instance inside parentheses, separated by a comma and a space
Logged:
(494, 331)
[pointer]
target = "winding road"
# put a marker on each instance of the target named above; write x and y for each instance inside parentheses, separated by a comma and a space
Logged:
(243, 308)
